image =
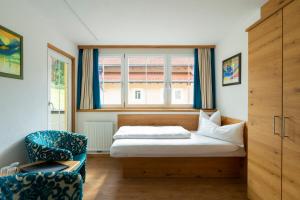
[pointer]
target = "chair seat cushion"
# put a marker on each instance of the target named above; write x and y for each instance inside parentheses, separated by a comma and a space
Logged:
(80, 157)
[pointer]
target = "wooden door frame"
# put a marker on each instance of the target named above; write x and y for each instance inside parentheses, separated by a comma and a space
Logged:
(73, 102)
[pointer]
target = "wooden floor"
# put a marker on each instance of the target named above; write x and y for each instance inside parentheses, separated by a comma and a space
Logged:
(104, 182)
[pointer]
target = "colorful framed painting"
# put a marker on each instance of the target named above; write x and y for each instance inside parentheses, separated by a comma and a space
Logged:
(11, 54)
(231, 70)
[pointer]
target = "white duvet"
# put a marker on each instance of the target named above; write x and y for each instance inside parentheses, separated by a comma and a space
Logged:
(196, 146)
(152, 132)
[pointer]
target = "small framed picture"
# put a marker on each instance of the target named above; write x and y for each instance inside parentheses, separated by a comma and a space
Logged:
(11, 54)
(231, 70)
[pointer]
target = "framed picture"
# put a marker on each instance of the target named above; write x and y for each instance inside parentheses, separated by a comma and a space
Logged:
(231, 70)
(11, 54)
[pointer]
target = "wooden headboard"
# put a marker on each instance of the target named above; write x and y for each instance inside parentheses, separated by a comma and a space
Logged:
(188, 121)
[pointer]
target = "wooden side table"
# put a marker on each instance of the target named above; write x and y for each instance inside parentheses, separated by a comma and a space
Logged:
(72, 165)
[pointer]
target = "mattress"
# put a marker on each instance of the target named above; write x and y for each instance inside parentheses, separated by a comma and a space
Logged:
(196, 146)
(152, 132)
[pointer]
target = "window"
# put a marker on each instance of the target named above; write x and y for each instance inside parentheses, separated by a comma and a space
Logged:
(110, 80)
(165, 79)
(177, 95)
(137, 94)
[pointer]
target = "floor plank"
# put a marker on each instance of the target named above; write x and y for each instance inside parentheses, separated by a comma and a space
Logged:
(104, 182)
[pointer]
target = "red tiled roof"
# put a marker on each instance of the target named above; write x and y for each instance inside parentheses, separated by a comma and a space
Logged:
(149, 76)
(180, 70)
(142, 60)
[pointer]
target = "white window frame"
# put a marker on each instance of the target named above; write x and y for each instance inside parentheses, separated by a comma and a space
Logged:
(167, 90)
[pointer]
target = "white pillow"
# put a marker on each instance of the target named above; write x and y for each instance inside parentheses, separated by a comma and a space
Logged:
(232, 133)
(215, 118)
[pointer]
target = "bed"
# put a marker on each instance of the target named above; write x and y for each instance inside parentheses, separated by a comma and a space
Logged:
(198, 156)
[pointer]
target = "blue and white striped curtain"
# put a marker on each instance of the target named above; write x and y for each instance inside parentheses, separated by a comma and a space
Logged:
(204, 79)
(88, 92)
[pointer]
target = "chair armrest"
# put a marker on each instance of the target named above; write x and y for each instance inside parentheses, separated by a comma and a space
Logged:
(77, 143)
(37, 152)
(49, 185)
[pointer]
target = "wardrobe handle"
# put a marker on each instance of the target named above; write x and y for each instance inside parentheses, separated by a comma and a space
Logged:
(274, 124)
(283, 127)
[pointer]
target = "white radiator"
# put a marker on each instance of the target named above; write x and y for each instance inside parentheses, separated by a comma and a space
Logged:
(100, 135)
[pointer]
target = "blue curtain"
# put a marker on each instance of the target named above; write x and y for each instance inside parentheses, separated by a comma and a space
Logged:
(213, 76)
(79, 77)
(96, 87)
(197, 84)
(197, 89)
(96, 83)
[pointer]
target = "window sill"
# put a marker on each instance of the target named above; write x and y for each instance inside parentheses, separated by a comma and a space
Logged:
(144, 110)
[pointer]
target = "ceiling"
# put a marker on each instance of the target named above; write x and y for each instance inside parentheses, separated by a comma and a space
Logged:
(145, 21)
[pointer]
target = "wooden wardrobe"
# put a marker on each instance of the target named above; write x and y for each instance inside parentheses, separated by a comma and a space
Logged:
(274, 103)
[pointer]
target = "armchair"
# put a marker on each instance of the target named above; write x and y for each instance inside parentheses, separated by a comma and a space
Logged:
(44, 186)
(57, 146)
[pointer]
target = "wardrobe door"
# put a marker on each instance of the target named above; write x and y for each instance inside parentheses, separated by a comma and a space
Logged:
(265, 109)
(291, 102)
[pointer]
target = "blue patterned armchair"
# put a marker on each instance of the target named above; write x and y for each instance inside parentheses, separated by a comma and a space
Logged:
(43, 186)
(57, 146)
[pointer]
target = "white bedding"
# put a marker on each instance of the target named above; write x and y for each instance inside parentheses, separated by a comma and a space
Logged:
(152, 132)
(196, 146)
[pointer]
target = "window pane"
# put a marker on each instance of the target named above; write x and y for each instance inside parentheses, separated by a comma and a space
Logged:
(182, 78)
(58, 84)
(111, 68)
(110, 80)
(146, 80)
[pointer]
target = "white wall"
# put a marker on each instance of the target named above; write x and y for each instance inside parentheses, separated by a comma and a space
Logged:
(23, 103)
(232, 101)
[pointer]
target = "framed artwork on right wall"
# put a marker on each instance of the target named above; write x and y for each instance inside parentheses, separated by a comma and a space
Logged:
(231, 70)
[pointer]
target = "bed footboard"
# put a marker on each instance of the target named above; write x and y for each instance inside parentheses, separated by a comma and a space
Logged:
(200, 167)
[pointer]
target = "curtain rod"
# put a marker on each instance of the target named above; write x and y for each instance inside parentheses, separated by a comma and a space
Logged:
(143, 46)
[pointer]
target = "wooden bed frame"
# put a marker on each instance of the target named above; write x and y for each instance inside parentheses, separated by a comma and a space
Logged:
(217, 167)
